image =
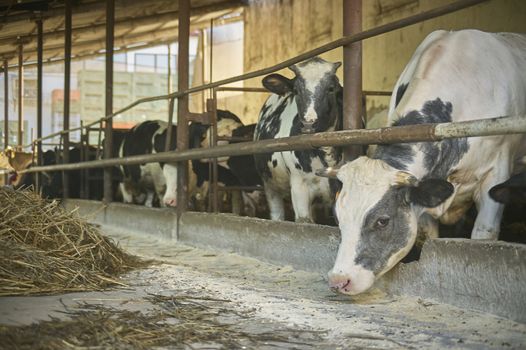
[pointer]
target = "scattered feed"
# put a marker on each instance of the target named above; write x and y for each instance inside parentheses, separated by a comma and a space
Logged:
(46, 249)
(176, 322)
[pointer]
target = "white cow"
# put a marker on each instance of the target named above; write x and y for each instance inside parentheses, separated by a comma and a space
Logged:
(387, 198)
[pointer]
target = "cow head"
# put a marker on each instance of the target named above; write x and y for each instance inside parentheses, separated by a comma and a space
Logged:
(378, 209)
(316, 90)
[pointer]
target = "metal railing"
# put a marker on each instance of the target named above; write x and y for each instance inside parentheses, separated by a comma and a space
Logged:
(395, 134)
(413, 133)
(382, 29)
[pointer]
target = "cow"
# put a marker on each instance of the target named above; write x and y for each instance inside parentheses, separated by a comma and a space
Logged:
(389, 198)
(310, 102)
(143, 183)
(152, 182)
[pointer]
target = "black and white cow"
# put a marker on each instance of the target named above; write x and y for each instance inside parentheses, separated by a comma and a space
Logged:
(147, 182)
(310, 102)
(144, 183)
(387, 198)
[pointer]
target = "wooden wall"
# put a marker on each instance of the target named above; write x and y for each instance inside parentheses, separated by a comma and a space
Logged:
(276, 30)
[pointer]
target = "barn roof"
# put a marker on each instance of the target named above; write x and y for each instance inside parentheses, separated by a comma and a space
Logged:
(138, 23)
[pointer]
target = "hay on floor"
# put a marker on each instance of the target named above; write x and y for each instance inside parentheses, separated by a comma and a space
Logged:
(46, 249)
(177, 322)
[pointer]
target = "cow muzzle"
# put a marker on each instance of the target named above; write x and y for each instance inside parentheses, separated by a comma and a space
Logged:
(170, 202)
(308, 127)
(354, 282)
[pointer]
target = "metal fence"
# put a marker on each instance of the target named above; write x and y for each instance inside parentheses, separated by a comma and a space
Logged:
(413, 133)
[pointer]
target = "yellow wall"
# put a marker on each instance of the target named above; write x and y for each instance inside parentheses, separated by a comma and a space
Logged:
(276, 30)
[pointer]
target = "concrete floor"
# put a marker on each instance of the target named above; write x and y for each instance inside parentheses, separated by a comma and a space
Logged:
(282, 299)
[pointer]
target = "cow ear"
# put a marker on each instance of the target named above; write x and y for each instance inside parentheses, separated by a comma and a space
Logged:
(278, 84)
(500, 193)
(429, 193)
(514, 189)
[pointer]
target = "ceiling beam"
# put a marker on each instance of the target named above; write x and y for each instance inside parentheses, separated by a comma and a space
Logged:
(124, 40)
(99, 27)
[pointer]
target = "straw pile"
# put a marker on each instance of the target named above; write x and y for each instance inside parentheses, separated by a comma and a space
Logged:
(179, 322)
(45, 249)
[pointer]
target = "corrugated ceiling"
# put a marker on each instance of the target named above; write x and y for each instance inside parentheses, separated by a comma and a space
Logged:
(138, 23)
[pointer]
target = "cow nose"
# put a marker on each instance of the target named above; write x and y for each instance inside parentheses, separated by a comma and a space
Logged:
(340, 283)
(307, 128)
(171, 202)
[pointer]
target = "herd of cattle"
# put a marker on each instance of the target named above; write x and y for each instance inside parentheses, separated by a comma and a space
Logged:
(382, 201)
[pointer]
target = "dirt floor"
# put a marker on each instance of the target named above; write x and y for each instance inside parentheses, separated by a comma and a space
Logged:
(273, 307)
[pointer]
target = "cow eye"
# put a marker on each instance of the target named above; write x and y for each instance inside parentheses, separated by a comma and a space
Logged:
(382, 222)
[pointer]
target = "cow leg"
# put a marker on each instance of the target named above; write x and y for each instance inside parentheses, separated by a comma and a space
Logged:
(249, 204)
(127, 196)
(150, 195)
(237, 203)
(487, 224)
(275, 204)
(301, 200)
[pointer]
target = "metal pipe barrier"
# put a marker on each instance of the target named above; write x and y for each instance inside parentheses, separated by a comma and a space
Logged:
(396, 134)
(346, 40)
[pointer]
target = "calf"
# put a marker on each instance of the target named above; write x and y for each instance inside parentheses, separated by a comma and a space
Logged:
(310, 102)
(388, 198)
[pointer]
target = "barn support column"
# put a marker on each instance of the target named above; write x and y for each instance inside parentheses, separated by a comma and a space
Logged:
(67, 94)
(352, 74)
(182, 105)
(6, 109)
(171, 103)
(108, 128)
(6, 103)
(20, 95)
(39, 99)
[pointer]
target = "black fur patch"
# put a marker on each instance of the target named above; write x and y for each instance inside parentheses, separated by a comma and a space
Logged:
(138, 141)
(439, 157)
(274, 163)
(400, 93)
(267, 128)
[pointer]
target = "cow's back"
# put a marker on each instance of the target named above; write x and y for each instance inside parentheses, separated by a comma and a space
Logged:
(481, 74)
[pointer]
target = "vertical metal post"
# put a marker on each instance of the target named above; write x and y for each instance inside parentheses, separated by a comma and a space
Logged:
(169, 128)
(83, 158)
(213, 140)
(20, 95)
(67, 94)
(169, 68)
(352, 74)
(211, 48)
(171, 103)
(182, 104)
(40, 49)
(108, 130)
(6, 109)
(6, 103)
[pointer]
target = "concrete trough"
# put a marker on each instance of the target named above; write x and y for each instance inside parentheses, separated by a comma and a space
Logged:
(480, 275)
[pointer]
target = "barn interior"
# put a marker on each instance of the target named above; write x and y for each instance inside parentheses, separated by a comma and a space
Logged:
(259, 283)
